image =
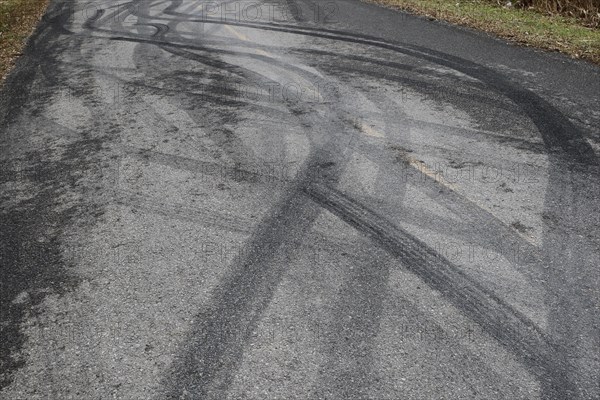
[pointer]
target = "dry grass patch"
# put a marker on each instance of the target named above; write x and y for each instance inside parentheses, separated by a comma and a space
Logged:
(588, 11)
(18, 18)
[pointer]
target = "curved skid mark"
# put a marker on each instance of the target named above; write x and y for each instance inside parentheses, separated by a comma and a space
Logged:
(563, 140)
(559, 134)
(505, 324)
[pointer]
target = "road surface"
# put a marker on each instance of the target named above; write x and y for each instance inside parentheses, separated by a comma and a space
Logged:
(295, 200)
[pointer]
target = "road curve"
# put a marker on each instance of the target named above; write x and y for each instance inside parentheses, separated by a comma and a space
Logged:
(295, 200)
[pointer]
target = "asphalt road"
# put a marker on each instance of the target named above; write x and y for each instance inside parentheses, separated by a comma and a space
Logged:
(295, 200)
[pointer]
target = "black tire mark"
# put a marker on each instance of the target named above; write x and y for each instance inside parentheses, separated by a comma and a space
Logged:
(390, 64)
(470, 214)
(220, 65)
(206, 371)
(425, 88)
(552, 125)
(575, 148)
(505, 324)
(226, 324)
(217, 340)
(572, 152)
(542, 113)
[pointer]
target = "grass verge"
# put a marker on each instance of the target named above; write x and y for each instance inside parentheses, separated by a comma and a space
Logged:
(527, 27)
(18, 19)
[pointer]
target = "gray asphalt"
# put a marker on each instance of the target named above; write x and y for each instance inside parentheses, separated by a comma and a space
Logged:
(295, 200)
